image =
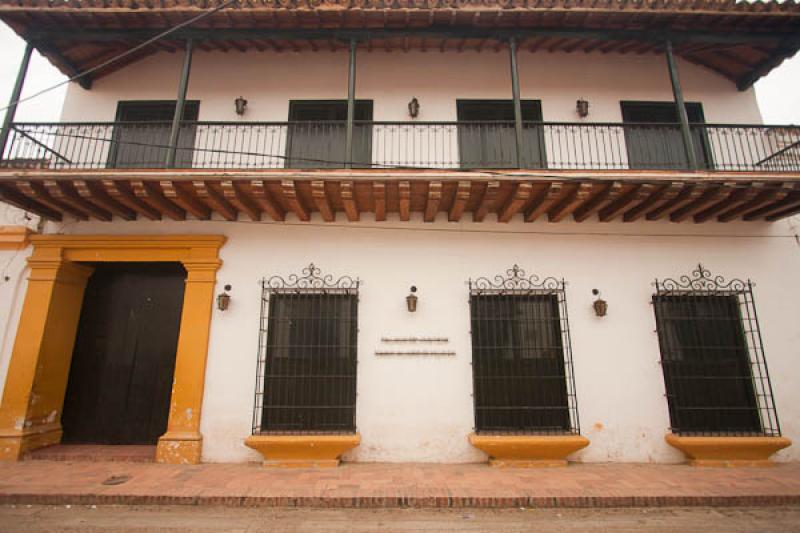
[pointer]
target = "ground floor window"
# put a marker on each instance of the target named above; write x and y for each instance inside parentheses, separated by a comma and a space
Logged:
(521, 355)
(306, 375)
(713, 361)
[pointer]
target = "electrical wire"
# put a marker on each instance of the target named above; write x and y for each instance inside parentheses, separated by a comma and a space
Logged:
(124, 54)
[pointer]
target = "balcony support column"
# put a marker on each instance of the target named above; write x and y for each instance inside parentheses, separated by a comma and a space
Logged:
(351, 104)
(683, 117)
(15, 94)
(183, 86)
(512, 50)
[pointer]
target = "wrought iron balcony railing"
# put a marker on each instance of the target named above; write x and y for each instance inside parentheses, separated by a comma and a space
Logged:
(438, 145)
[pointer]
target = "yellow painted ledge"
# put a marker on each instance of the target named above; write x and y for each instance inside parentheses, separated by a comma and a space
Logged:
(728, 451)
(302, 451)
(524, 451)
(14, 237)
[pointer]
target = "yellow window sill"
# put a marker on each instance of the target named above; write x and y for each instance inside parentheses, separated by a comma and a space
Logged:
(728, 451)
(302, 451)
(525, 451)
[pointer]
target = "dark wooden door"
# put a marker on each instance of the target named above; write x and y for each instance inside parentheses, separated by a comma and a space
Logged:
(317, 134)
(141, 135)
(487, 136)
(124, 358)
(653, 135)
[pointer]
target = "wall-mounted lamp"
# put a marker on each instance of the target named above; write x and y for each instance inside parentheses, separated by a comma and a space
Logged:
(224, 299)
(413, 108)
(241, 105)
(600, 305)
(582, 108)
(411, 300)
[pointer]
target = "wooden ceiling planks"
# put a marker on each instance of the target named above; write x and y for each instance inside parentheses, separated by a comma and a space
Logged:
(742, 63)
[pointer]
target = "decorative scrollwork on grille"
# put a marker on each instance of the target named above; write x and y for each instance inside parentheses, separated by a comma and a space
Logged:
(311, 278)
(515, 279)
(701, 280)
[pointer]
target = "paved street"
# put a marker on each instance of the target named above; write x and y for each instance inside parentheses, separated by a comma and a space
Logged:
(31, 519)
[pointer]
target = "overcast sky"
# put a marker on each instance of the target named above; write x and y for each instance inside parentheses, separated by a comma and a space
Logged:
(778, 94)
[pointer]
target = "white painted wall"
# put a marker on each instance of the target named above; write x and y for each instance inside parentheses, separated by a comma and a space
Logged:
(269, 80)
(418, 408)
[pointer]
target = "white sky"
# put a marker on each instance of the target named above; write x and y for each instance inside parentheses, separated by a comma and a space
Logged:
(778, 94)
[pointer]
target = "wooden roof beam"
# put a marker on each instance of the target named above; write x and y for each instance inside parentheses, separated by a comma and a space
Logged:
(94, 192)
(215, 200)
(379, 200)
(661, 196)
(236, 195)
(12, 196)
(571, 201)
(151, 193)
(37, 191)
(320, 197)
(463, 192)
(264, 200)
(349, 201)
(487, 201)
(122, 193)
(517, 200)
(773, 194)
(688, 194)
(608, 193)
(65, 193)
(404, 200)
(736, 198)
(638, 194)
(185, 200)
(543, 200)
(708, 197)
(295, 204)
(433, 201)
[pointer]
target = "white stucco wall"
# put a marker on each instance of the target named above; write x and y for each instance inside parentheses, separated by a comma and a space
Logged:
(419, 408)
(269, 80)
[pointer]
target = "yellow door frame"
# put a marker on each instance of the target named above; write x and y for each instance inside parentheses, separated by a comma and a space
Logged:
(33, 397)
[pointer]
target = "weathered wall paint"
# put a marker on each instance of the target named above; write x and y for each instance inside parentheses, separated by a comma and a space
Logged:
(418, 408)
(269, 80)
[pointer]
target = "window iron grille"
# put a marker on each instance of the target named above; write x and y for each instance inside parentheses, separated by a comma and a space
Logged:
(523, 376)
(712, 357)
(307, 354)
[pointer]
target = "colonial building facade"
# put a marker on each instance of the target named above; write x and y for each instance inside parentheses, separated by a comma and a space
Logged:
(442, 232)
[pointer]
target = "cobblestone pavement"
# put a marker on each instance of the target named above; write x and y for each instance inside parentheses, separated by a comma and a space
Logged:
(396, 485)
(32, 519)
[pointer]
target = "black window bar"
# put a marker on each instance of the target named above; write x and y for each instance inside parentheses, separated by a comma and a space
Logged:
(307, 354)
(522, 371)
(712, 357)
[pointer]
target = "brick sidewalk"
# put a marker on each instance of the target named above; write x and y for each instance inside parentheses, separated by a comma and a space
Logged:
(398, 485)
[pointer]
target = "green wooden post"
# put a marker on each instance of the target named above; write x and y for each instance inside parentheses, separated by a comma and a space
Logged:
(688, 145)
(179, 104)
(351, 105)
(15, 94)
(512, 49)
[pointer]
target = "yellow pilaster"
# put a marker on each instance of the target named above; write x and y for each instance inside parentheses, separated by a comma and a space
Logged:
(182, 442)
(30, 412)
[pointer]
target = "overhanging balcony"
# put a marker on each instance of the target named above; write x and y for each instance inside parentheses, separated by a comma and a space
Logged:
(605, 171)
(403, 145)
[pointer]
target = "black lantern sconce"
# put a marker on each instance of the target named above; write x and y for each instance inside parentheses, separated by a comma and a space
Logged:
(413, 108)
(241, 105)
(582, 108)
(411, 300)
(224, 299)
(600, 305)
